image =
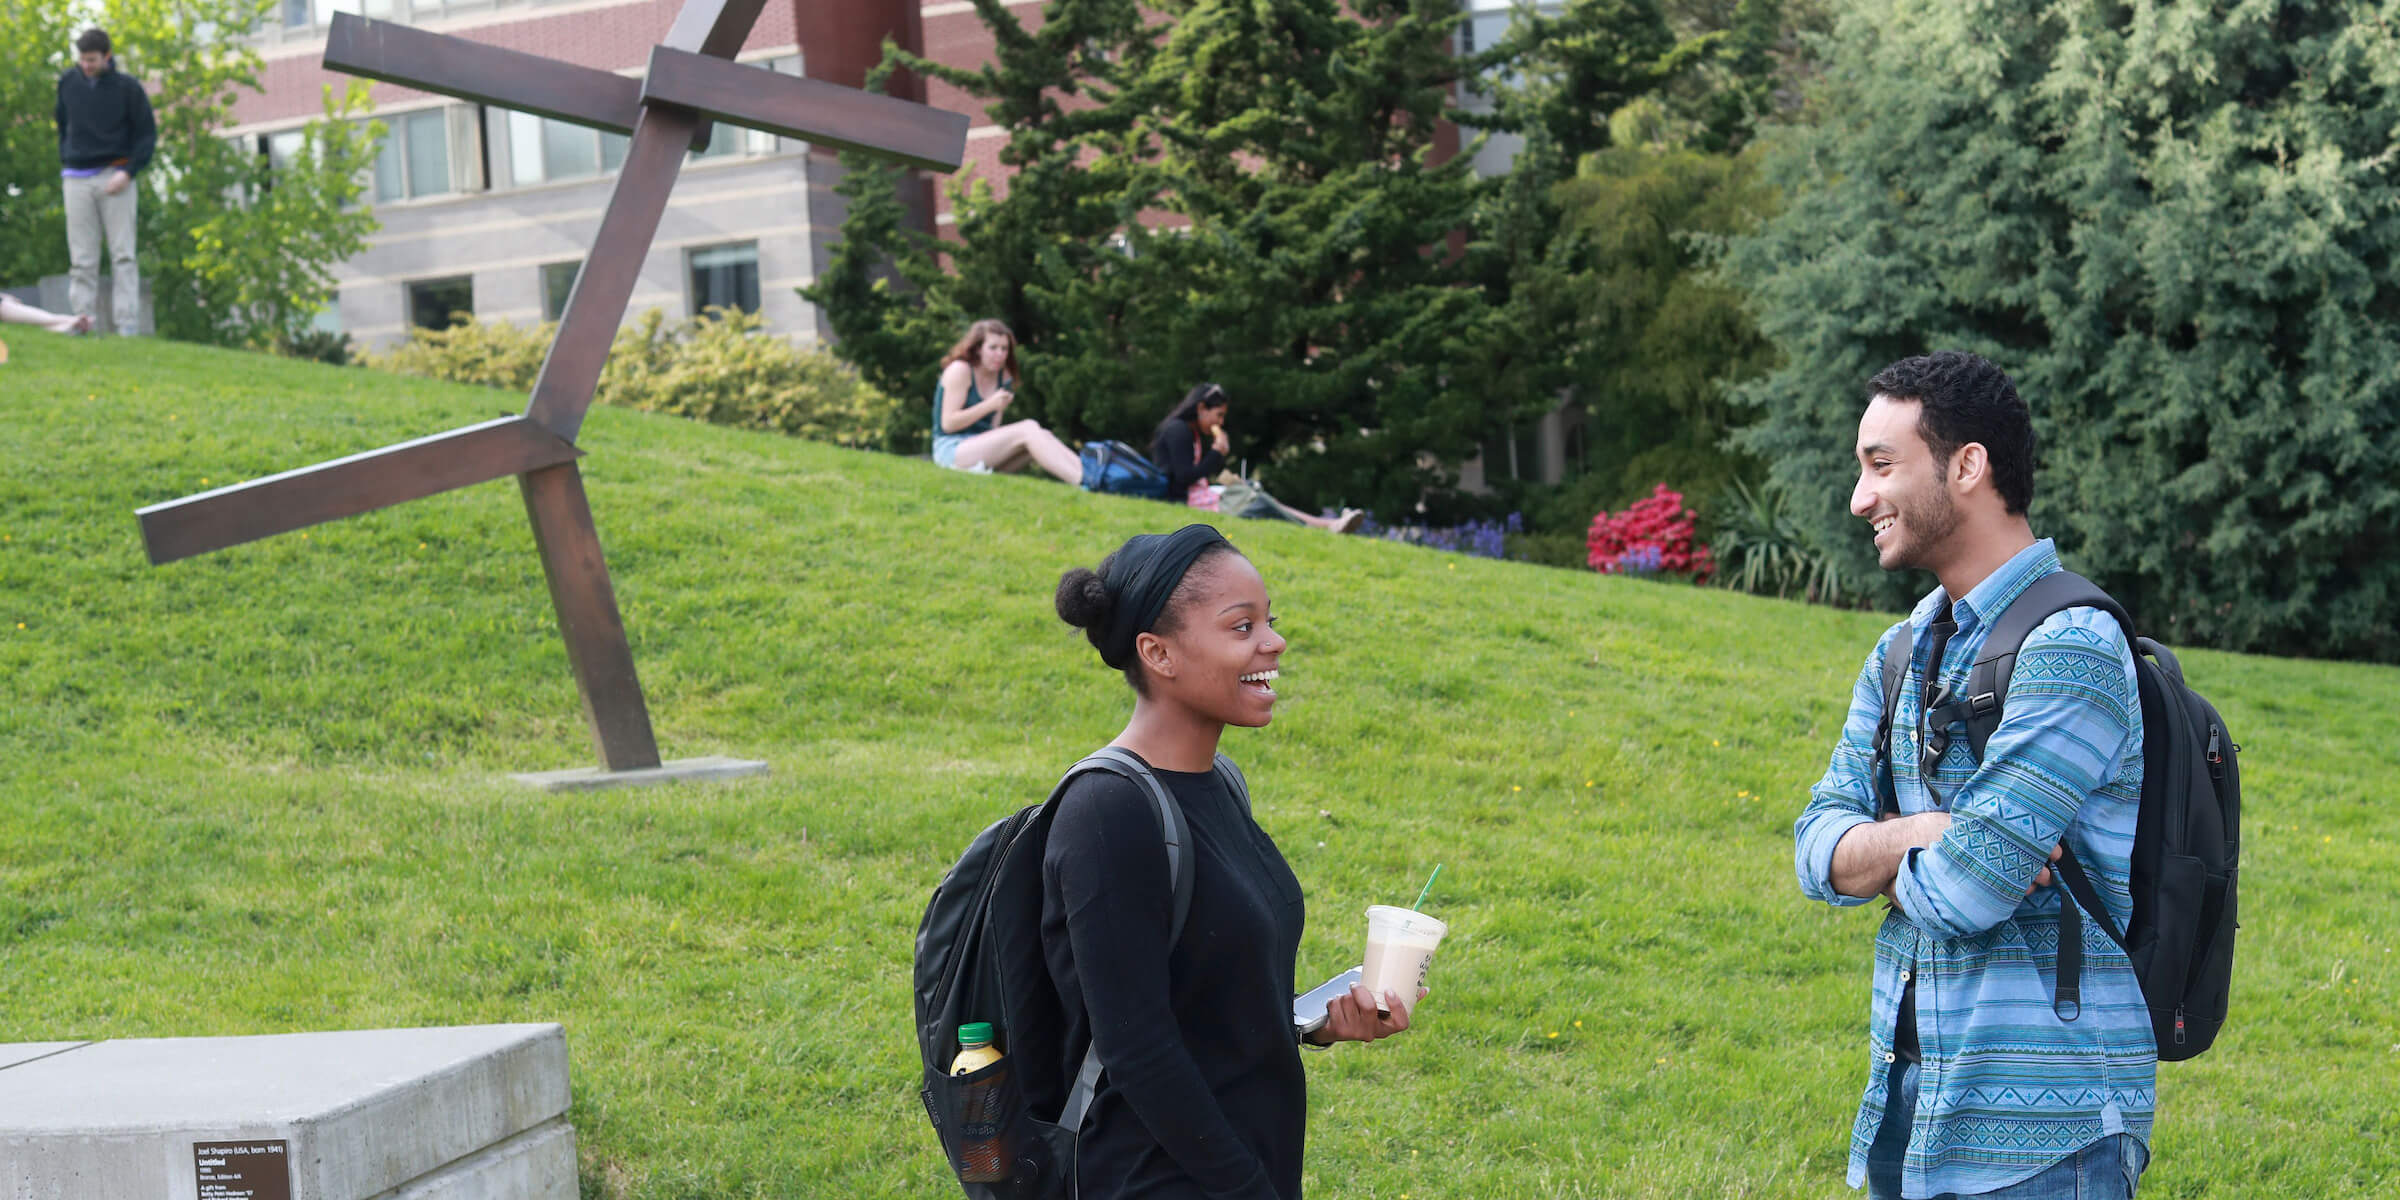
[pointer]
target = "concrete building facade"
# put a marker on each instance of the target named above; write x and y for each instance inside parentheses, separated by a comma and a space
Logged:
(490, 212)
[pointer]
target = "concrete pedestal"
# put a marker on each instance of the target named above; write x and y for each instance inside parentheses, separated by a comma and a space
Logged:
(681, 770)
(468, 1113)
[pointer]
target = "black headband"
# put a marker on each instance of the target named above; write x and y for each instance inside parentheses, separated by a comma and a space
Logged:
(1140, 577)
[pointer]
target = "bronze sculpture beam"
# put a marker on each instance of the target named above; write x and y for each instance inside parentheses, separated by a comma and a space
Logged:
(690, 85)
(346, 487)
(454, 66)
(811, 110)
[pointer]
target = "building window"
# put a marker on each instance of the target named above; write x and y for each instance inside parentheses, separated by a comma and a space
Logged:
(441, 303)
(541, 150)
(723, 141)
(725, 277)
(415, 157)
(558, 282)
(283, 149)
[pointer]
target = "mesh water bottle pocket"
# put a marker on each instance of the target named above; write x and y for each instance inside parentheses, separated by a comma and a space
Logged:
(979, 1116)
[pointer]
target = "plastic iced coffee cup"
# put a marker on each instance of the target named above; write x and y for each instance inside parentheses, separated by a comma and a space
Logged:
(1400, 946)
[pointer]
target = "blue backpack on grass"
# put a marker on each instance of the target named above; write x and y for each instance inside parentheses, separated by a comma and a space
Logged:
(1119, 469)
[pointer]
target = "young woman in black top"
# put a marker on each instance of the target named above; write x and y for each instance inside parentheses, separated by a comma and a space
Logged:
(1202, 1093)
(1177, 449)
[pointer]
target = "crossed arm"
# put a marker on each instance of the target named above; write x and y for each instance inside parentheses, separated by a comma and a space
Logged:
(1959, 872)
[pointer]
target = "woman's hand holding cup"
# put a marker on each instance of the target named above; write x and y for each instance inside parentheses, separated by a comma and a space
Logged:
(1352, 1016)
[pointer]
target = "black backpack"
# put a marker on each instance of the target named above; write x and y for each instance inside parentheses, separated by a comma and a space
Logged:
(1009, 1129)
(2187, 837)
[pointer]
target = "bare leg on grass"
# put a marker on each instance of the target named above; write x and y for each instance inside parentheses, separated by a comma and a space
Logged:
(17, 312)
(1007, 448)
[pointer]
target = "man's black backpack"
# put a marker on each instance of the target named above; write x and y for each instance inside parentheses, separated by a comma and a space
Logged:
(2187, 838)
(1009, 1129)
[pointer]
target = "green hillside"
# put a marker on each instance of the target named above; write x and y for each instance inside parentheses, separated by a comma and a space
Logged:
(264, 791)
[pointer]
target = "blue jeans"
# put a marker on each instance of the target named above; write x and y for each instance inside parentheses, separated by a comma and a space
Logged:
(2105, 1170)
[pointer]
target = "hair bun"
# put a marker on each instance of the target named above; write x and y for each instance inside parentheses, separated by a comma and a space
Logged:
(1083, 601)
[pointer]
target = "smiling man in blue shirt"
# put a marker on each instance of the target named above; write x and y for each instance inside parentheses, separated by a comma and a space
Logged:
(1977, 1084)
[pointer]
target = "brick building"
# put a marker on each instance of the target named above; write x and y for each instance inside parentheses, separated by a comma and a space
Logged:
(490, 211)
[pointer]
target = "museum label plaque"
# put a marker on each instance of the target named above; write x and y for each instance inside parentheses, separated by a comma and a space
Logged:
(243, 1170)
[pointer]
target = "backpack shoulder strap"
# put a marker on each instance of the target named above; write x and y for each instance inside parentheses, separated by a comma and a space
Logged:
(1996, 663)
(1178, 835)
(1896, 653)
(1987, 695)
(1232, 775)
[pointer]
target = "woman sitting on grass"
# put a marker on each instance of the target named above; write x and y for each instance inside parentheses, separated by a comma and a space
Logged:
(979, 380)
(1177, 449)
(1201, 1091)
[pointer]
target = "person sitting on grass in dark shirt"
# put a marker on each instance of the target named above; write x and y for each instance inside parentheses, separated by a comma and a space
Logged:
(1177, 449)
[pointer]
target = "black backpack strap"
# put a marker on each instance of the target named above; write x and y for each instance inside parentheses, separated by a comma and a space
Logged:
(1232, 775)
(1178, 836)
(1895, 676)
(2067, 997)
(1987, 695)
(1996, 663)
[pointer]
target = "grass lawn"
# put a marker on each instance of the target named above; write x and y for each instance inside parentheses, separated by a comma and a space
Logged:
(263, 791)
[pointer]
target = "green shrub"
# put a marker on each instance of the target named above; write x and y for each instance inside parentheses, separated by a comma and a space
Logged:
(721, 368)
(492, 353)
(1763, 548)
(1549, 549)
(327, 346)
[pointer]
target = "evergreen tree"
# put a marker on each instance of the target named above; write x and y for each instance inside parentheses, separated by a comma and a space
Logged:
(1029, 250)
(1661, 337)
(1586, 243)
(2175, 226)
(1299, 142)
(1243, 193)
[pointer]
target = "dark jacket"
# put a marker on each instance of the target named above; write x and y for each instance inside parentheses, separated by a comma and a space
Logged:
(104, 122)
(1172, 451)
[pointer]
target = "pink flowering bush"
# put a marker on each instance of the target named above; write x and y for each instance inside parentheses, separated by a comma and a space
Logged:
(1654, 536)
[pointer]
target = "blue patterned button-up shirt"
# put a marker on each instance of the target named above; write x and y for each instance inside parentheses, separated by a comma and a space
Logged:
(2008, 1088)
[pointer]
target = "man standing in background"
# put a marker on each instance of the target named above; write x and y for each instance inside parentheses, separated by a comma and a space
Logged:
(106, 135)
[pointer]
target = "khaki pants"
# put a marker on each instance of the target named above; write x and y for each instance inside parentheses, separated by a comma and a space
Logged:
(91, 214)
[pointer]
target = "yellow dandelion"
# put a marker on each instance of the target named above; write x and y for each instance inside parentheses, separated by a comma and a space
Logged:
(1714, 742)
(1452, 566)
(1553, 1033)
(20, 624)
(1587, 783)
(204, 481)
(1514, 788)
(1662, 1060)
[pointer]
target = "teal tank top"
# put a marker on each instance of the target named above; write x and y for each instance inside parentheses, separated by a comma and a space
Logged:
(983, 424)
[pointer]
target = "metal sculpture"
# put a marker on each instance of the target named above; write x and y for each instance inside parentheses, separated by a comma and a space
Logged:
(690, 82)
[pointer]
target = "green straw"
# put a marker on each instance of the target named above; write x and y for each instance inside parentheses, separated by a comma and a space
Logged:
(1437, 874)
